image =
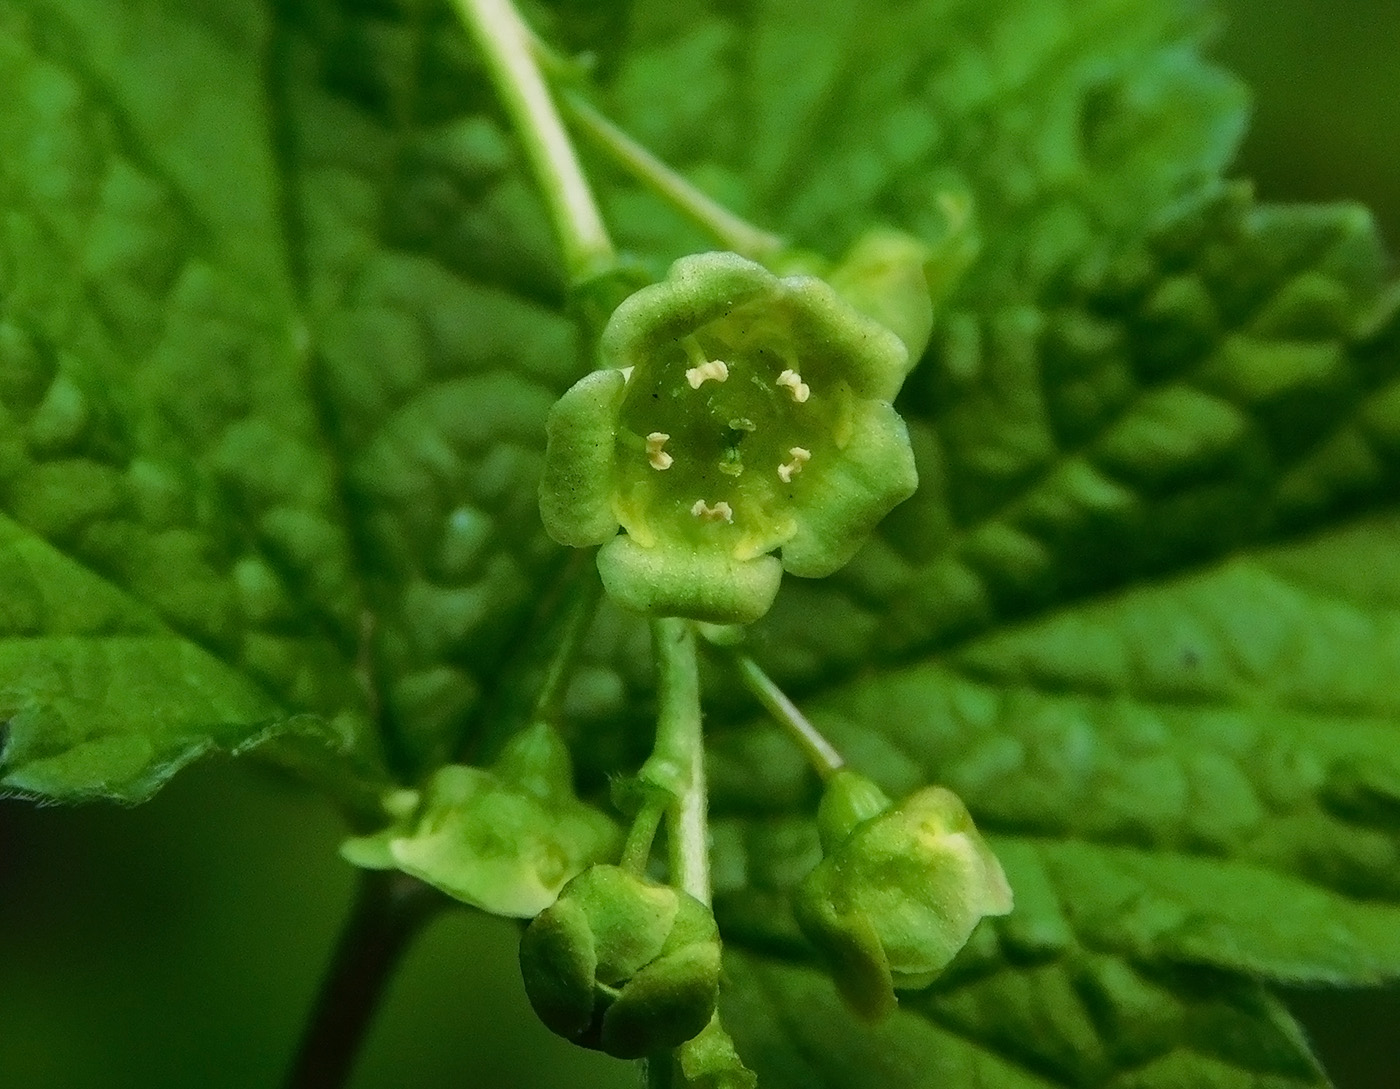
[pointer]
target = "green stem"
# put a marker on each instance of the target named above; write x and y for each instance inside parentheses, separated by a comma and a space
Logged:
(729, 230)
(658, 1071)
(390, 910)
(820, 753)
(677, 764)
(548, 704)
(636, 852)
(505, 42)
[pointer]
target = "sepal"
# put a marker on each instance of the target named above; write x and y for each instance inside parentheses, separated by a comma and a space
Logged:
(505, 839)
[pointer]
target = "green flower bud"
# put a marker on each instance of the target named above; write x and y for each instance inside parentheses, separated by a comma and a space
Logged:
(883, 277)
(622, 964)
(504, 839)
(741, 413)
(899, 891)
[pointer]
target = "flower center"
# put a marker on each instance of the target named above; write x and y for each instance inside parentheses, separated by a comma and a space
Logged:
(720, 433)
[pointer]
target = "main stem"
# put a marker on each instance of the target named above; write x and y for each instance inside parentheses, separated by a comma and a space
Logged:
(390, 909)
(505, 42)
(680, 756)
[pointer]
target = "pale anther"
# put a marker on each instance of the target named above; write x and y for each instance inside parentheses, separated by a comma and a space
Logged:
(793, 381)
(658, 457)
(720, 512)
(789, 469)
(716, 369)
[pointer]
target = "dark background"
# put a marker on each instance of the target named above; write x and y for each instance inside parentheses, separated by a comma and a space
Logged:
(179, 943)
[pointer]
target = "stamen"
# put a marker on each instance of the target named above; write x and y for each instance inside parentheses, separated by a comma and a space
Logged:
(790, 469)
(716, 369)
(658, 457)
(793, 381)
(720, 512)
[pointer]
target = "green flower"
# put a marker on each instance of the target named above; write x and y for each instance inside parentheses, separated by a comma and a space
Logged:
(899, 892)
(622, 964)
(504, 839)
(739, 414)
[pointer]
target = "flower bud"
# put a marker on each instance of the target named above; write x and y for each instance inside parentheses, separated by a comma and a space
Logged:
(899, 891)
(504, 838)
(883, 277)
(622, 964)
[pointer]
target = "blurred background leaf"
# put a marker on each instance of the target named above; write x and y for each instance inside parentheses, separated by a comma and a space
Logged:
(1326, 83)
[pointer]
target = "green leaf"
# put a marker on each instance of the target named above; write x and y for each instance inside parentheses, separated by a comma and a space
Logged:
(277, 349)
(180, 575)
(276, 352)
(1083, 1019)
(1141, 612)
(1199, 772)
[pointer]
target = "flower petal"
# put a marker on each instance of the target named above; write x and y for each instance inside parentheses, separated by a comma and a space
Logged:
(698, 289)
(872, 475)
(576, 488)
(836, 342)
(679, 579)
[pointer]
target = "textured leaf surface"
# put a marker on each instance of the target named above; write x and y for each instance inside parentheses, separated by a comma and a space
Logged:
(1081, 1019)
(181, 576)
(1141, 613)
(277, 346)
(272, 392)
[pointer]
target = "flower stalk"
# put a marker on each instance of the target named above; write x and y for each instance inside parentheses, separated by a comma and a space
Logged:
(678, 762)
(506, 44)
(731, 231)
(820, 753)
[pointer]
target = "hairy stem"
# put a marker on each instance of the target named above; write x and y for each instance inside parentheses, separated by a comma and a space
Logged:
(729, 230)
(820, 753)
(389, 911)
(636, 851)
(678, 761)
(505, 42)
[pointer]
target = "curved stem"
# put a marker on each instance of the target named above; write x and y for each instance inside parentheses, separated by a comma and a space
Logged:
(505, 42)
(729, 230)
(677, 764)
(390, 909)
(636, 851)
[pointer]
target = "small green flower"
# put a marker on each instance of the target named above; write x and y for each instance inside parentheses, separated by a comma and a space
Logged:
(899, 892)
(739, 414)
(504, 839)
(622, 964)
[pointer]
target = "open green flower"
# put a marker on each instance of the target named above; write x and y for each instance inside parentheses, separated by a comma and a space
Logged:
(622, 964)
(739, 414)
(899, 892)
